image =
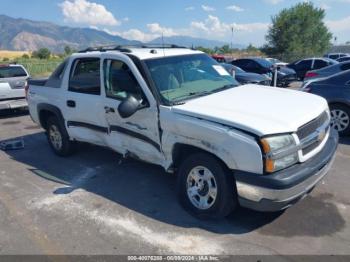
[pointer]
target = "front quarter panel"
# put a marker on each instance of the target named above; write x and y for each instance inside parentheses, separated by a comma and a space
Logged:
(238, 150)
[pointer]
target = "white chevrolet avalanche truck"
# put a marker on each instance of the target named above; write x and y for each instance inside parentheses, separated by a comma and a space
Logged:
(260, 147)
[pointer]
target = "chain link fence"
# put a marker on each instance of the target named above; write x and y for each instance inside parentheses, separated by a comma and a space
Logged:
(38, 69)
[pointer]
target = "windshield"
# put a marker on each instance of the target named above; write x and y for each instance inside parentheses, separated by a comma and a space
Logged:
(238, 70)
(181, 78)
(263, 62)
(12, 71)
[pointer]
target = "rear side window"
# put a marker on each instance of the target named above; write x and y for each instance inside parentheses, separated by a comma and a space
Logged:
(305, 64)
(12, 71)
(85, 76)
(320, 64)
(241, 63)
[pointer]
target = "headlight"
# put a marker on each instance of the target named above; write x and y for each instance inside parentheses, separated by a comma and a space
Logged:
(280, 152)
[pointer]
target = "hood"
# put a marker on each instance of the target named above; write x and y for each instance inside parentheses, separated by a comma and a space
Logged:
(287, 71)
(251, 77)
(256, 109)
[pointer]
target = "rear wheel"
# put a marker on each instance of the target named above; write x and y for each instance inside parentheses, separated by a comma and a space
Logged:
(58, 138)
(205, 187)
(340, 119)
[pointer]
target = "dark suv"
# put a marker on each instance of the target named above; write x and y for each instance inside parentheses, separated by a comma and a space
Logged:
(264, 67)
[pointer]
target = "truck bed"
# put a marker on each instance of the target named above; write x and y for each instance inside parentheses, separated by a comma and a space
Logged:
(38, 82)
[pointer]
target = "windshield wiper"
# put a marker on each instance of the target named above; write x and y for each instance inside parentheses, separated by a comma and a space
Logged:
(204, 93)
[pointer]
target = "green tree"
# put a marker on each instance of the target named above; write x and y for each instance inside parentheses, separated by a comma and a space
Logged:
(25, 56)
(225, 49)
(298, 32)
(251, 48)
(42, 53)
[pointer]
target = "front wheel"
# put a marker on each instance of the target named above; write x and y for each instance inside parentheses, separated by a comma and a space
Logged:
(205, 187)
(340, 119)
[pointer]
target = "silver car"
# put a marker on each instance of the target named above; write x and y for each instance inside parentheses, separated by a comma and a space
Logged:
(13, 80)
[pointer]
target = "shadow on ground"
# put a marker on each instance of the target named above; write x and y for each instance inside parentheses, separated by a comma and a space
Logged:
(148, 190)
(344, 140)
(12, 113)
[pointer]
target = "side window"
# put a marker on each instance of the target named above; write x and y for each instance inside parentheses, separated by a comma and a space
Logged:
(253, 65)
(119, 80)
(305, 64)
(85, 76)
(320, 64)
(241, 63)
(345, 67)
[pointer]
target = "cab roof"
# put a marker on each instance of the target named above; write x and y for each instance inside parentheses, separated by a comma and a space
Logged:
(142, 52)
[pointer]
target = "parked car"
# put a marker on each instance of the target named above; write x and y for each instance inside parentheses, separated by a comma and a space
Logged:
(255, 146)
(336, 89)
(327, 71)
(247, 78)
(285, 76)
(336, 56)
(13, 79)
(343, 59)
(276, 61)
(219, 58)
(304, 65)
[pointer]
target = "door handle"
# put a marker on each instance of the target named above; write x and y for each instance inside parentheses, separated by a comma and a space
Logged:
(109, 110)
(71, 103)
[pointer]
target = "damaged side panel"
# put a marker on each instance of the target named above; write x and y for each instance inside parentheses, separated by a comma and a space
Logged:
(239, 151)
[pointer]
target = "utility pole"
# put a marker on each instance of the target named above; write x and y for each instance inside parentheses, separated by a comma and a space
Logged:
(232, 42)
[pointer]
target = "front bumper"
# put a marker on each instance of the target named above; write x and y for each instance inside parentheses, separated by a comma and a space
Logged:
(13, 104)
(282, 189)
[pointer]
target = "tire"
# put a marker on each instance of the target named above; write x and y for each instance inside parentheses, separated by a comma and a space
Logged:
(340, 118)
(58, 138)
(219, 201)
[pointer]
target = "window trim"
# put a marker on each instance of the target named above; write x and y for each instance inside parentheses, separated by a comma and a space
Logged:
(72, 70)
(104, 67)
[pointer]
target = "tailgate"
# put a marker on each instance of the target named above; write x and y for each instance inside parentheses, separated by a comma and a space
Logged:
(6, 92)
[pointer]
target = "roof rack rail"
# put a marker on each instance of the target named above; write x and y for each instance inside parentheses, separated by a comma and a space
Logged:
(105, 49)
(161, 46)
(126, 48)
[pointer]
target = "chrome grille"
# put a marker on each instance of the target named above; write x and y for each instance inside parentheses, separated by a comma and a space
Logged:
(306, 150)
(308, 129)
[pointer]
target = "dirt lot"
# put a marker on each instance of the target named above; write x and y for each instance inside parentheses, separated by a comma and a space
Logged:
(90, 204)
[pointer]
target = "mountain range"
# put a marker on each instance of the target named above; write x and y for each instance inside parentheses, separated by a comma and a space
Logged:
(189, 41)
(28, 35)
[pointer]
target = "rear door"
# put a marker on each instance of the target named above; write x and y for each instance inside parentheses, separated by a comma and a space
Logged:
(319, 63)
(83, 104)
(138, 134)
(302, 67)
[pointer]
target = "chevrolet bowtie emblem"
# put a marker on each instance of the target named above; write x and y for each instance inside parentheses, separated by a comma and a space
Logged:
(321, 135)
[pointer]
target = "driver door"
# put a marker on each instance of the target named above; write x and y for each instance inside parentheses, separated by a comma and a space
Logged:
(137, 135)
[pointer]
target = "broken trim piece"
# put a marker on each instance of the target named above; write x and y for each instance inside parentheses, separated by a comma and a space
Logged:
(118, 129)
(87, 125)
(135, 135)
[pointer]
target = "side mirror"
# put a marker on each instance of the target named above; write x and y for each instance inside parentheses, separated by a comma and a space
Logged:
(128, 106)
